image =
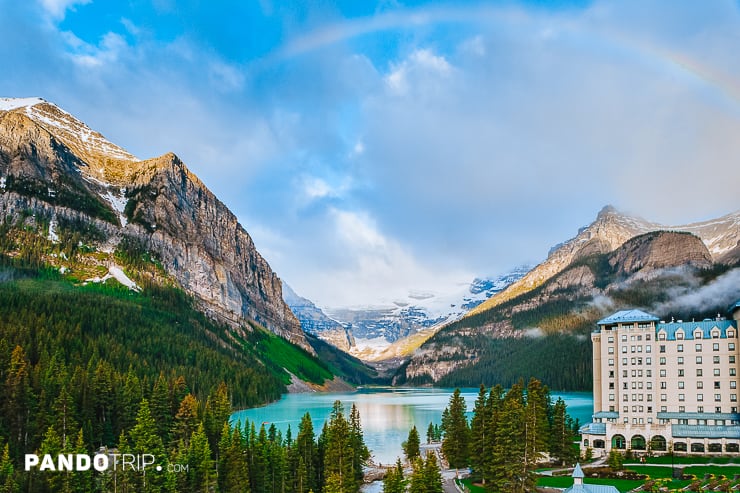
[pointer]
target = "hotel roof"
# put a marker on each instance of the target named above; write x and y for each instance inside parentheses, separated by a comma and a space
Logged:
(627, 316)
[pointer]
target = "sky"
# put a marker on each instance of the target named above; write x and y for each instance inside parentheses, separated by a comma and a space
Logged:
(375, 150)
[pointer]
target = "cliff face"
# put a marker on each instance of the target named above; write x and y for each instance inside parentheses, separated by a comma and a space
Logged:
(53, 164)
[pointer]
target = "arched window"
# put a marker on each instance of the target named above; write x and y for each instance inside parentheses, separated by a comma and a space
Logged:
(638, 442)
(714, 447)
(619, 442)
(679, 446)
(697, 447)
(732, 447)
(658, 443)
(585, 442)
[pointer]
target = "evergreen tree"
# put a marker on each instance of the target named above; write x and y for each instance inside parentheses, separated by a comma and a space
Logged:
(536, 428)
(186, 419)
(17, 402)
(455, 445)
(411, 445)
(478, 438)
(430, 433)
(432, 475)
(360, 452)
(339, 456)
(508, 453)
(394, 482)
(561, 445)
(305, 450)
(200, 467)
(145, 440)
(7, 472)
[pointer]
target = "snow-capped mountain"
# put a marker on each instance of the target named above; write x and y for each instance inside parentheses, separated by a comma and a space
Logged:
(371, 331)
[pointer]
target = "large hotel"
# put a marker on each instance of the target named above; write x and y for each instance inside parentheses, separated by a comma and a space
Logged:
(662, 386)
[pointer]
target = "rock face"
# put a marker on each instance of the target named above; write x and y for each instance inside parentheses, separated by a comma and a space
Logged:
(52, 163)
(660, 250)
(316, 322)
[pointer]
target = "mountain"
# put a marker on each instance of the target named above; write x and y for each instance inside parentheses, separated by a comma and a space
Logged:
(385, 332)
(539, 325)
(57, 172)
(316, 322)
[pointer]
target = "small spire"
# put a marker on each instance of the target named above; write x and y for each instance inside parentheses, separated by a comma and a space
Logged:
(578, 475)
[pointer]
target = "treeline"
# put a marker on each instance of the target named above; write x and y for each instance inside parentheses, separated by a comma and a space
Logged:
(509, 434)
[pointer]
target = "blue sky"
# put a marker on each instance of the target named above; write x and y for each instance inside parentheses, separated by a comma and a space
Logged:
(378, 148)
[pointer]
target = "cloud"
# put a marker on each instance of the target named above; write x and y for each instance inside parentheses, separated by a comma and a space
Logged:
(719, 294)
(57, 8)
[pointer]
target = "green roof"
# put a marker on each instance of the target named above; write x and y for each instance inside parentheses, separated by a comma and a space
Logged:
(628, 316)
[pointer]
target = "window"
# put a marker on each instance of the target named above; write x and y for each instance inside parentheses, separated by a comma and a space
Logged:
(699, 372)
(633, 361)
(624, 361)
(682, 409)
(611, 373)
(716, 372)
(699, 397)
(647, 337)
(680, 385)
(634, 373)
(733, 384)
(732, 372)
(679, 335)
(718, 409)
(611, 385)
(662, 385)
(730, 333)
(624, 373)
(610, 339)
(682, 397)
(697, 334)
(716, 385)
(733, 398)
(699, 384)
(624, 349)
(648, 373)
(649, 385)
(625, 397)
(662, 348)
(697, 347)
(731, 346)
(611, 361)
(624, 385)
(715, 360)
(680, 360)
(663, 409)
(634, 397)
(699, 409)
(679, 348)
(610, 350)
(662, 373)
(648, 348)
(661, 336)
(698, 360)
(634, 385)
(663, 397)
(662, 360)
(715, 346)
(715, 334)
(632, 349)
(611, 397)
(680, 372)
(717, 397)
(624, 337)
(648, 361)
(732, 359)
(650, 397)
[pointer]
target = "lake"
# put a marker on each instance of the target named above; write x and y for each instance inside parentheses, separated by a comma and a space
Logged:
(387, 413)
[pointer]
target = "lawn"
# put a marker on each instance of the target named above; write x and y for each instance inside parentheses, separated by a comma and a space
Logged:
(623, 485)
(700, 471)
(688, 459)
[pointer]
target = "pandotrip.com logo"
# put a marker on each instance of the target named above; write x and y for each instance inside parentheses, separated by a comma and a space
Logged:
(100, 462)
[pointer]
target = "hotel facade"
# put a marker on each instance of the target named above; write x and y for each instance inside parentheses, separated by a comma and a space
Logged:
(665, 386)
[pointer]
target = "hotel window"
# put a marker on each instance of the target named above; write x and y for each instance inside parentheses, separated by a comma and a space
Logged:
(680, 385)
(732, 359)
(719, 422)
(624, 386)
(639, 338)
(639, 349)
(632, 338)
(640, 397)
(698, 360)
(611, 362)
(639, 361)
(648, 348)
(634, 397)
(732, 372)
(632, 361)
(697, 334)
(733, 410)
(699, 397)
(663, 409)
(682, 409)
(680, 372)
(662, 360)
(679, 335)
(634, 373)
(662, 348)
(624, 349)
(718, 410)
(731, 346)
(680, 360)
(610, 350)
(717, 397)
(647, 337)
(624, 338)
(661, 336)
(730, 333)
(611, 385)
(634, 409)
(625, 397)
(648, 373)
(697, 347)
(624, 361)
(662, 373)
(682, 397)
(699, 372)
(715, 334)
(699, 409)
(611, 373)
(626, 409)
(716, 372)
(733, 398)
(715, 346)
(624, 373)
(679, 348)
(733, 384)
(611, 397)
(650, 397)
(634, 385)
(649, 385)
(639, 373)
(632, 349)
(715, 360)
(648, 361)
(610, 339)
(663, 397)
(663, 385)
(699, 384)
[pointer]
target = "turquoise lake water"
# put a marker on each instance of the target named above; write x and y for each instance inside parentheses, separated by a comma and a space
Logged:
(387, 413)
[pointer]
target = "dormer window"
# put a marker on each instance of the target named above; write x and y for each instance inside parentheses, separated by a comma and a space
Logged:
(697, 334)
(715, 334)
(730, 333)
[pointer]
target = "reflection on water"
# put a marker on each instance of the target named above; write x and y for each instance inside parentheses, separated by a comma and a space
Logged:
(387, 413)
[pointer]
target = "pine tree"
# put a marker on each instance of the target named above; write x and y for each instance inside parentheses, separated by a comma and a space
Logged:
(339, 456)
(394, 482)
(411, 445)
(360, 452)
(17, 402)
(200, 467)
(430, 433)
(432, 475)
(145, 440)
(536, 429)
(508, 454)
(7, 472)
(561, 445)
(455, 445)
(186, 420)
(305, 449)
(478, 439)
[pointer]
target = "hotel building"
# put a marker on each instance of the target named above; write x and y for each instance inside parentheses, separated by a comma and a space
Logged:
(661, 386)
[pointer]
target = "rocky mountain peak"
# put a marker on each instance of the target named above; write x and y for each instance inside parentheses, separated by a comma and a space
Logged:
(55, 165)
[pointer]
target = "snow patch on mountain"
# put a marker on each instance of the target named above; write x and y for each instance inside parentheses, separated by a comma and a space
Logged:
(9, 104)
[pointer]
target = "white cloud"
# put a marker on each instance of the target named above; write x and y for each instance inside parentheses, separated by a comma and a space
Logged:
(57, 8)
